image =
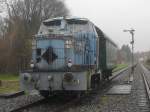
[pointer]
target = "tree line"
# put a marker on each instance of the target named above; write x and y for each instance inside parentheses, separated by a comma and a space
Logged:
(124, 54)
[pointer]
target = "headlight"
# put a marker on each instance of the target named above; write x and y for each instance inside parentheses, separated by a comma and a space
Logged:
(32, 65)
(69, 63)
(50, 77)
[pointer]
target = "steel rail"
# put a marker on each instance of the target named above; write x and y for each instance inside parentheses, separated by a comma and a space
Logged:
(18, 109)
(12, 95)
(146, 85)
(43, 100)
(118, 73)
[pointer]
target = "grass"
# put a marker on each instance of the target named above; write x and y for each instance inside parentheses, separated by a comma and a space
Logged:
(9, 77)
(119, 67)
(9, 83)
(9, 87)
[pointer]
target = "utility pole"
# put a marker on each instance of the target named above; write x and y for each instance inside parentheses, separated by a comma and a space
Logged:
(131, 31)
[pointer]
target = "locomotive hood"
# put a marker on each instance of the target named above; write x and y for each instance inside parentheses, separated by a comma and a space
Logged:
(62, 39)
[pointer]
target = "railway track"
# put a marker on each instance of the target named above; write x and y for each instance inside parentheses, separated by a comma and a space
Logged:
(147, 86)
(19, 109)
(12, 95)
(146, 81)
(68, 103)
(144, 93)
(118, 73)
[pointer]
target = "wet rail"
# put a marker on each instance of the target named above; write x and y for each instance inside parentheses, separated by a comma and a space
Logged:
(18, 109)
(147, 86)
(67, 102)
(145, 99)
(116, 74)
(12, 95)
(146, 81)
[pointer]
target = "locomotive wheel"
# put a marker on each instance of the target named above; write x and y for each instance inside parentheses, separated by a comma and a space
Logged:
(44, 93)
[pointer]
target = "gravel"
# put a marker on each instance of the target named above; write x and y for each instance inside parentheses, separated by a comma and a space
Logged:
(7, 105)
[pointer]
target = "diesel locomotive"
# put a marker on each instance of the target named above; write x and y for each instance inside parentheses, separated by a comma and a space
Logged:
(68, 55)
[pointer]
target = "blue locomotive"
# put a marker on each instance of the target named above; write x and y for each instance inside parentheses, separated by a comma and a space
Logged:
(69, 55)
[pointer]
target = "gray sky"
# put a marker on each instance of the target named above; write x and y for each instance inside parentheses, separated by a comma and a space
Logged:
(112, 16)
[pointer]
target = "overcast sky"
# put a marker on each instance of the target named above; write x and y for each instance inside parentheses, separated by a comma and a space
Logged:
(112, 16)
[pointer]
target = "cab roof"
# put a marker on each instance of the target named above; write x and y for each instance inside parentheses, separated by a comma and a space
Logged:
(70, 20)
